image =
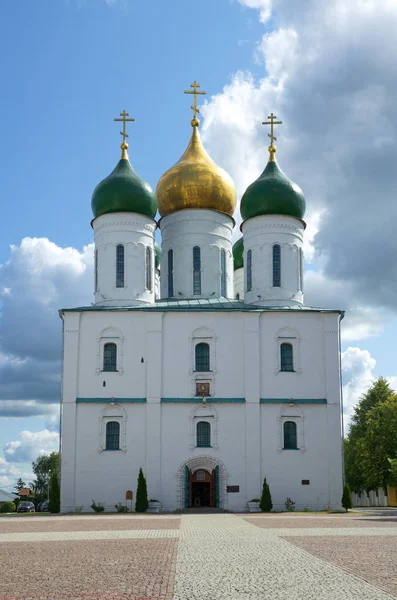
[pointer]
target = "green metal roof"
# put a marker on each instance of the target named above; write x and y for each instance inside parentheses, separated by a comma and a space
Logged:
(202, 304)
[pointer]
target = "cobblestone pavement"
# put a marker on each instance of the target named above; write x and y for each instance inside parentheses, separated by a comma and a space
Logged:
(211, 557)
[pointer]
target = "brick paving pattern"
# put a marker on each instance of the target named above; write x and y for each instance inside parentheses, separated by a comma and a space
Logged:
(372, 559)
(198, 557)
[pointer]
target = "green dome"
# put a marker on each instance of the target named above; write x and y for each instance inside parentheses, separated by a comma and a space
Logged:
(238, 254)
(123, 191)
(273, 194)
(157, 255)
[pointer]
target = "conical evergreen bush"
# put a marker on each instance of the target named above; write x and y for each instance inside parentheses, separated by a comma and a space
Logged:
(54, 505)
(347, 501)
(141, 503)
(266, 498)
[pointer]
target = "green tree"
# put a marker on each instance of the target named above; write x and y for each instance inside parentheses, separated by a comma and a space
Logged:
(43, 467)
(360, 468)
(141, 503)
(8, 507)
(54, 505)
(347, 501)
(266, 498)
(393, 471)
(19, 485)
(380, 443)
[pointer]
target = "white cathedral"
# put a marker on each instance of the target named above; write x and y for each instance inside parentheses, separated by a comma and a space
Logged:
(199, 361)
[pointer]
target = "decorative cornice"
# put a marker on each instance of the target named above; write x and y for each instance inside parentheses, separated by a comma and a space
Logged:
(294, 401)
(199, 400)
(110, 400)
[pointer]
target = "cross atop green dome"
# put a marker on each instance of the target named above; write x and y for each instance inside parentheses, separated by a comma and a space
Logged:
(123, 191)
(273, 193)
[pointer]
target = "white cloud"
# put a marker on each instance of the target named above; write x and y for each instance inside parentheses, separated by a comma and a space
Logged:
(31, 445)
(38, 279)
(357, 372)
(264, 7)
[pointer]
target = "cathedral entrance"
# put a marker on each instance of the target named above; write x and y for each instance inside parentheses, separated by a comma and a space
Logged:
(201, 488)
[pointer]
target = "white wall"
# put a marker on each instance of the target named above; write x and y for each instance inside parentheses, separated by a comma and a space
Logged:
(136, 233)
(158, 436)
(260, 235)
(212, 232)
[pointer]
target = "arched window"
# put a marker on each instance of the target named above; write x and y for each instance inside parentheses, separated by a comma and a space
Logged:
(223, 273)
(203, 431)
(170, 273)
(96, 270)
(249, 270)
(276, 265)
(149, 270)
(202, 362)
(110, 357)
(290, 437)
(300, 269)
(286, 357)
(196, 271)
(120, 266)
(113, 435)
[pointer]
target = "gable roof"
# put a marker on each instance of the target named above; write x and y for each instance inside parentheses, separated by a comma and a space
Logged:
(6, 496)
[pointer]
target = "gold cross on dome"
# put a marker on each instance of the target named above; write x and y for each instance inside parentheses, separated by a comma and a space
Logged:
(272, 122)
(124, 120)
(195, 86)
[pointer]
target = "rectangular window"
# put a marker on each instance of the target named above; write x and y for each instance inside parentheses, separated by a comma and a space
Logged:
(203, 435)
(170, 273)
(120, 266)
(96, 270)
(286, 357)
(110, 357)
(113, 435)
(196, 271)
(276, 265)
(149, 270)
(249, 270)
(223, 273)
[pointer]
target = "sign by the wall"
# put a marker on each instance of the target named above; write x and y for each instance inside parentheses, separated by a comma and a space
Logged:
(232, 489)
(129, 495)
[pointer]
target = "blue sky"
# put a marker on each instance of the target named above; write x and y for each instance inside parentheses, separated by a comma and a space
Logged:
(70, 66)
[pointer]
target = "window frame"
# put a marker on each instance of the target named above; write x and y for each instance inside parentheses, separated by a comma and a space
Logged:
(196, 346)
(107, 435)
(196, 257)
(111, 343)
(113, 412)
(276, 266)
(223, 289)
(249, 271)
(96, 269)
(291, 336)
(149, 269)
(120, 266)
(208, 435)
(295, 429)
(290, 361)
(170, 266)
(110, 335)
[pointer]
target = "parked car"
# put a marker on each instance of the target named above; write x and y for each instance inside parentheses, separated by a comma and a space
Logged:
(26, 506)
(44, 506)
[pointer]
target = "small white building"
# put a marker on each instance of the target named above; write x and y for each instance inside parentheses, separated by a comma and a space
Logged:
(224, 379)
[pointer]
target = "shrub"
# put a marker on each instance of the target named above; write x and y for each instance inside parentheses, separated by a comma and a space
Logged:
(54, 505)
(347, 498)
(266, 499)
(289, 505)
(306, 509)
(78, 509)
(121, 508)
(153, 500)
(8, 507)
(255, 500)
(141, 504)
(97, 507)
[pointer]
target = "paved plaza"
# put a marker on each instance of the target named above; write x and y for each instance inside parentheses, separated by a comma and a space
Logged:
(199, 557)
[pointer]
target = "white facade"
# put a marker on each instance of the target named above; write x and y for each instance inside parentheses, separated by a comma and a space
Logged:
(262, 236)
(210, 232)
(152, 396)
(135, 234)
(207, 391)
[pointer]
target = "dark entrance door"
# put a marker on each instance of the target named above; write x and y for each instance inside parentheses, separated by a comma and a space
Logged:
(201, 489)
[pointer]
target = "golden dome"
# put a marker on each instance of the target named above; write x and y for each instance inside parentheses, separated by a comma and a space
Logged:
(196, 181)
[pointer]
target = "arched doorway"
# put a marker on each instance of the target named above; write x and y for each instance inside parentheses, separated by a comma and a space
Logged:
(202, 483)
